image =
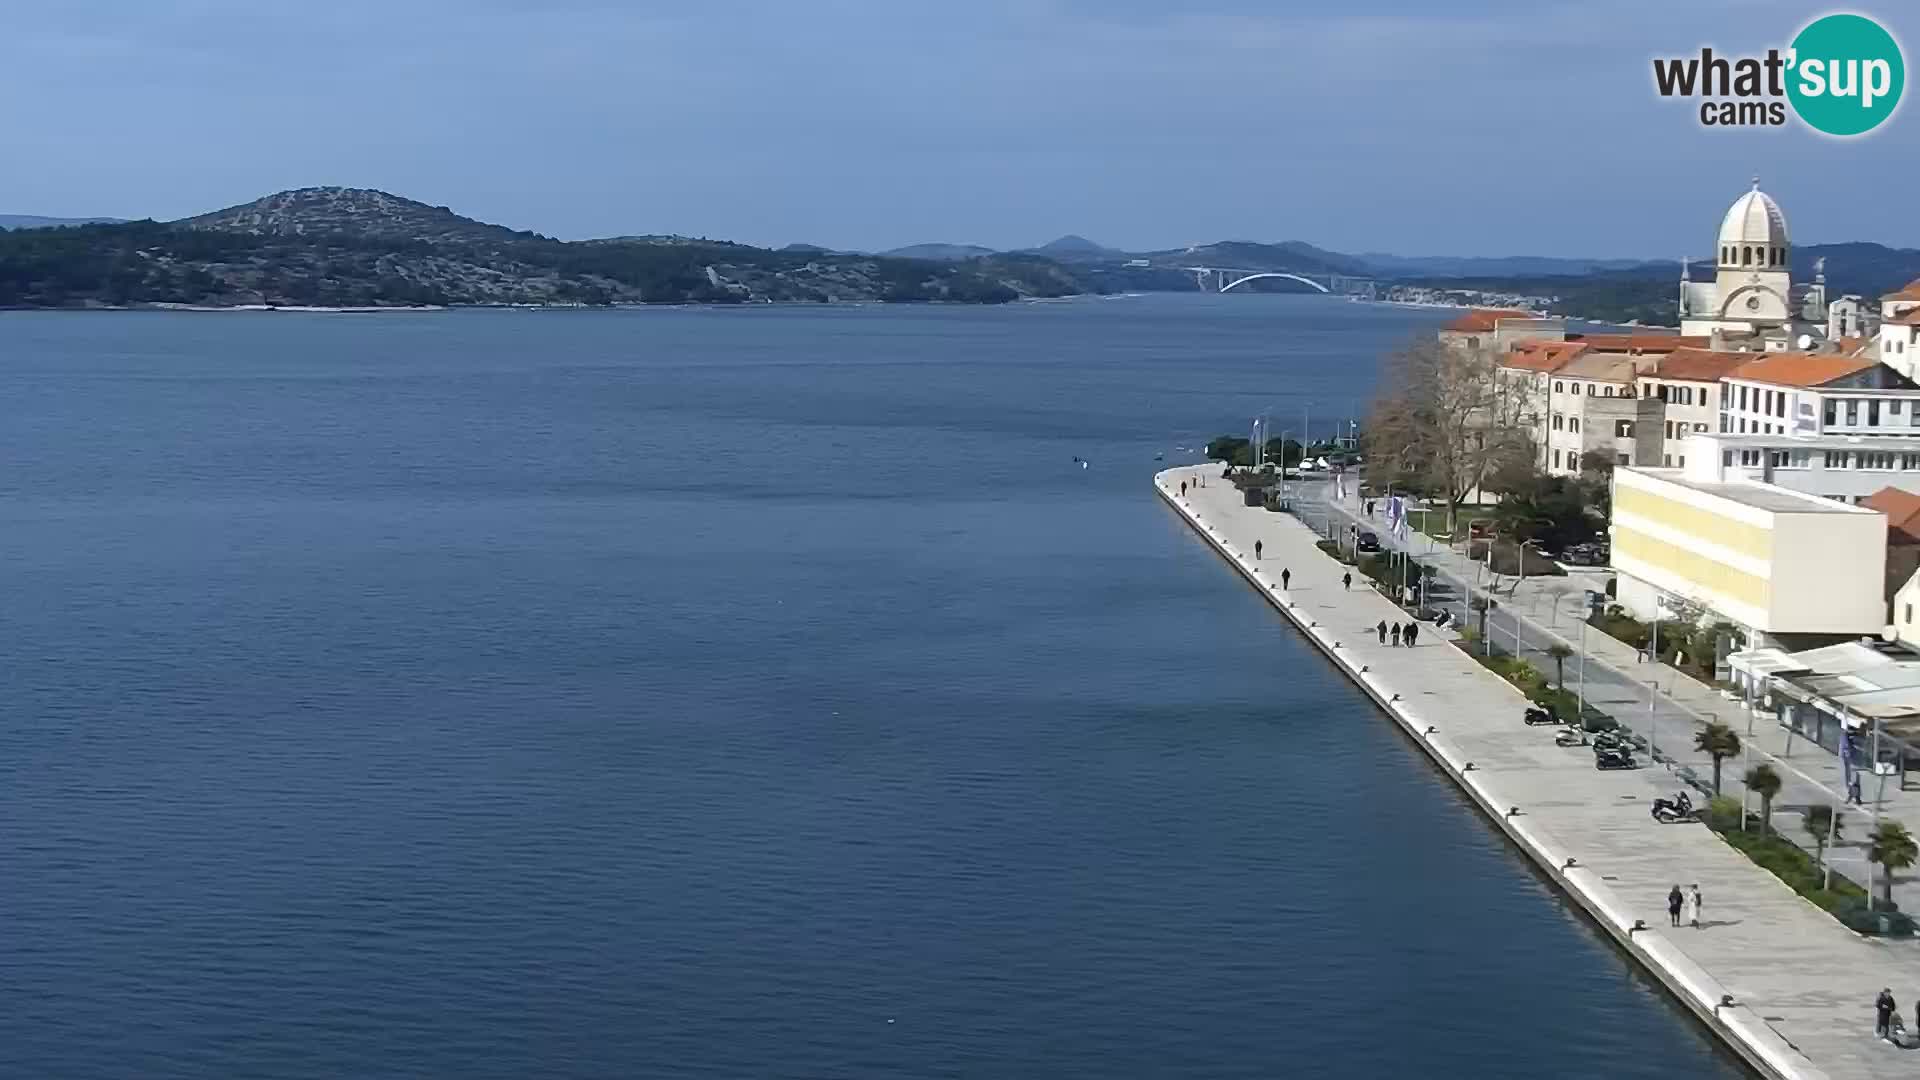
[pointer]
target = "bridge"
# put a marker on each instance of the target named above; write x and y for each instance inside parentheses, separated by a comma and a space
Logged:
(1226, 279)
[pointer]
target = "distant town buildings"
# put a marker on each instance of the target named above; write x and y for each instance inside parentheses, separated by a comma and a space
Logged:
(1765, 459)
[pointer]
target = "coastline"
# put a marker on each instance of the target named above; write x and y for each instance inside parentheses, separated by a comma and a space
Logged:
(1534, 798)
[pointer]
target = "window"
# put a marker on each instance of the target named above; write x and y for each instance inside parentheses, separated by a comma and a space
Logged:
(1743, 399)
(1666, 461)
(1799, 459)
(1853, 414)
(1827, 413)
(1623, 429)
(1906, 617)
(1683, 461)
(1876, 459)
(1699, 427)
(1576, 389)
(1623, 459)
(1743, 425)
(1669, 430)
(1873, 413)
(1750, 458)
(1573, 423)
(1893, 407)
(1607, 391)
(1557, 425)
(1839, 459)
(1727, 459)
(1776, 458)
(1780, 404)
(1559, 387)
(1556, 459)
(1910, 462)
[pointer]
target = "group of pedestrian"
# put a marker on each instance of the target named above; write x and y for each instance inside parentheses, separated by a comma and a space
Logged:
(1685, 905)
(1886, 1021)
(1401, 635)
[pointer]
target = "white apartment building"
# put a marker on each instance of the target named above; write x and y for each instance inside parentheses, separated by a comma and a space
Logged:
(1844, 468)
(1899, 338)
(1818, 394)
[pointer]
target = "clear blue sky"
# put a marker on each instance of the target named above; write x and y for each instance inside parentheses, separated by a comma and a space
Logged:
(1409, 126)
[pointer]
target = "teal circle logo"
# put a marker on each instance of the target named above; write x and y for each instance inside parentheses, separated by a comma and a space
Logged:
(1847, 74)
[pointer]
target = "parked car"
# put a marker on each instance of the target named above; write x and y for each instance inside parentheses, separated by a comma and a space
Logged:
(1367, 542)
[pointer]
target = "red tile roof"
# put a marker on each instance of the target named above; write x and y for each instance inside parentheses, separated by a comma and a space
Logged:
(1799, 369)
(1483, 320)
(1642, 342)
(1699, 365)
(1541, 355)
(1909, 291)
(1903, 513)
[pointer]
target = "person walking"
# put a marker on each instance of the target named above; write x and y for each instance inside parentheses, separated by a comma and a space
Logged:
(1285, 577)
(1674, 900)
(1183, 489)
(1413, 631)
(1256, 550)
(1346, 580)
(1883, 1008)
(1395, 634)
(1693, 907)
(1382, 628)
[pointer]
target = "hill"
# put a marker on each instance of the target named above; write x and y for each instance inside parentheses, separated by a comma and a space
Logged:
(351, 247)
(940, 252)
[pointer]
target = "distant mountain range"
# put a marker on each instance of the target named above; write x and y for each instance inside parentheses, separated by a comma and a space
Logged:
(336, 246)
(33, 221)
(357, 247)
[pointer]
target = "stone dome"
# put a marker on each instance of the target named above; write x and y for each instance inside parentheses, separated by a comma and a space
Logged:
(1754, 232)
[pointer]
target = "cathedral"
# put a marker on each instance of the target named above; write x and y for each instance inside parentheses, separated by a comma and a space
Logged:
(1752, 303)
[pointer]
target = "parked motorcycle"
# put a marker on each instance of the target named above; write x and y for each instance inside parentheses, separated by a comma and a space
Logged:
(1536, 715)
(1614, 739)
(1570, 737)
(1605, 758)
(1678, 808)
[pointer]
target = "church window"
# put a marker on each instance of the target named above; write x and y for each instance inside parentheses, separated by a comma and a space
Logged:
(1746, 256)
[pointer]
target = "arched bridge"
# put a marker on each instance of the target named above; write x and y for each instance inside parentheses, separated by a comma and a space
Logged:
(1226, 279)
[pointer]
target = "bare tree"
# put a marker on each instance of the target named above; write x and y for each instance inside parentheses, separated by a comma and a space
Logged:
(1445, 421)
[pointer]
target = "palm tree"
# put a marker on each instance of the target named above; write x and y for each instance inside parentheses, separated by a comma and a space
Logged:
(1764, 782)
(1823, 824)
(1719, 742)
(1559, 653)
(1892, 846)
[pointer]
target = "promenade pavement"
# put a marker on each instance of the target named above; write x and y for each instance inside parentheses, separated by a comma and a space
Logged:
(1800, 981)
(1539, 611)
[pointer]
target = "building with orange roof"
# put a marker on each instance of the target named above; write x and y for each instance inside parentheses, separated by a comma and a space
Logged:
(1688, 380)
(1805, 394)
(1499, 329)
(1593, 405)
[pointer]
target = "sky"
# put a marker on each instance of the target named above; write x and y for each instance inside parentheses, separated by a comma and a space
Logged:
(1475, 127)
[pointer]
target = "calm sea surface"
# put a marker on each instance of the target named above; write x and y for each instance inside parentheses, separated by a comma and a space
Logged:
(718, 693)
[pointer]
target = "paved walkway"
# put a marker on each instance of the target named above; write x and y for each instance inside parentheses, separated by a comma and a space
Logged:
(1803, 984)
(1540, 611)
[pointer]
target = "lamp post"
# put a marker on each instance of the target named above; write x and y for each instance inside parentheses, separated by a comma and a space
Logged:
(1583, 673)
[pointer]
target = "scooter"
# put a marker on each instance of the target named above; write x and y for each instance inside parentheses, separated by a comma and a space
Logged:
(1678, 808)
(1612, 740)
(1606, 759)
(1572, 736)
(1536, 715)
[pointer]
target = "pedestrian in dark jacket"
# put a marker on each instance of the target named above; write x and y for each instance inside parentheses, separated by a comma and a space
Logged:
(1286, 576)
(1413, 631)
(1346, 580)
(1883, 1008)
(1674, 900)
(1382, 628)
(1395, 633)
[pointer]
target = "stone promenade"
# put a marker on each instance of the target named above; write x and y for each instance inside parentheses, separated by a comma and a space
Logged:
(1801, 985)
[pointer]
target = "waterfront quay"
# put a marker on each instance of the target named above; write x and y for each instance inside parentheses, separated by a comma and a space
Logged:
(1785, 986)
